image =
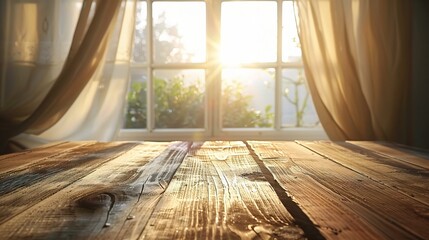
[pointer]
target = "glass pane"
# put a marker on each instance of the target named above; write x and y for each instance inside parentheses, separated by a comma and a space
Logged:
(247, 98)
(248, 32)
(179, 98)
(291, 46)
(136, 113)
(179, 32)
(140, 41)
(297, 107)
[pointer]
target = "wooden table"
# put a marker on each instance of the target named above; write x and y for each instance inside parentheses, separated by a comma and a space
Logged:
(215, 190)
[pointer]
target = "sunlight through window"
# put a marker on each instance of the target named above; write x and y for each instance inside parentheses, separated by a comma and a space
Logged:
(218, 69)
(179, 32)
(248, 32)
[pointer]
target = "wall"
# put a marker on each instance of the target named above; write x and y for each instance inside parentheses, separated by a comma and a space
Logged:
(420, 88)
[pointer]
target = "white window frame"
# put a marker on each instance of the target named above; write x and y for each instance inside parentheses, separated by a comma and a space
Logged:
(213, 120)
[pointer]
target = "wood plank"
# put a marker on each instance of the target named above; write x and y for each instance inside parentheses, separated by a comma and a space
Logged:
(220, 150)
(102, 203)
(22, 160)
(329, 211)
(21, 188)
(393, 213)
(153, 182)
(406, 178)
(219, 192)
(42, 148)
(397, 152)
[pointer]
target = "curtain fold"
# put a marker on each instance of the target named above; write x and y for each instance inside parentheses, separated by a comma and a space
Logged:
(357, 61)
(91, 85)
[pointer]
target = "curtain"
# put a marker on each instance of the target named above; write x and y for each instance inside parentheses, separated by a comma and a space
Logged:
(64, 69)
(357, 62)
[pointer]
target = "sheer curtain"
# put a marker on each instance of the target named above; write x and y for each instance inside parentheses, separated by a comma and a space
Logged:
(358, 66)
(64, 69)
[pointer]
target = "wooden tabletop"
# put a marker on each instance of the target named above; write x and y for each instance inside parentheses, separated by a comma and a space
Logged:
(215, 190)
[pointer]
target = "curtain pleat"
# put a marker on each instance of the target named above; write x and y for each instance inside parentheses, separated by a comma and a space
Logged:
(358, 66)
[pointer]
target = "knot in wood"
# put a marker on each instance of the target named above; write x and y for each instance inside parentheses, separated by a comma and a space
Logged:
(96, 201)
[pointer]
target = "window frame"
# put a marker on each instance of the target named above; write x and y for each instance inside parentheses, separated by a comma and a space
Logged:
(212, 66)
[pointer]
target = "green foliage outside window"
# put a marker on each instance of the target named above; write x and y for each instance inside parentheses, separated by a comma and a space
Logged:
(292, 95)
(136, 109)
(181, 106)
(237, 112)
(176, 105)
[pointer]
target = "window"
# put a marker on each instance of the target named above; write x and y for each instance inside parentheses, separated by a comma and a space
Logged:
(218, 70)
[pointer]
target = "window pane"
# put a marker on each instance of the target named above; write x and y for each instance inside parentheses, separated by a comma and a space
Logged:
(139, 50)
(179, 98)
(136, 113)
(291, 46)
(247, 98)
(297, 107)
(179, 32)
(248, 32)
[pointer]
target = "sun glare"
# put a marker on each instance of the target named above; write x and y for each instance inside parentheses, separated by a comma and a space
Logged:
(248, 32)
(189, 18)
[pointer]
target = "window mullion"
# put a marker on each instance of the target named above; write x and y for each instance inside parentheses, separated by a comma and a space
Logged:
(278, 84)
(213, 74)
(150, 89)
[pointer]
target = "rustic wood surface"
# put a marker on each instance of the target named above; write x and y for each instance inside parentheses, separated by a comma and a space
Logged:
(215, 190)
(220, 193)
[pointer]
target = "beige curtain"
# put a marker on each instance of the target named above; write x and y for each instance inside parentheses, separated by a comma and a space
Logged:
(358, 66)
(64, 70)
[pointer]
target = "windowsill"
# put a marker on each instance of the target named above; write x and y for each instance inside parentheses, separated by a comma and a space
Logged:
(287, 134)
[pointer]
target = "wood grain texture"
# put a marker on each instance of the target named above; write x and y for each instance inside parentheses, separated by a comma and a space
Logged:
(21, 160)
(98, 199)
(330, 211)
(397, 152)
(215, 190)
(408, 179)
(22, 187)
(219, 192)
(395, 214)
